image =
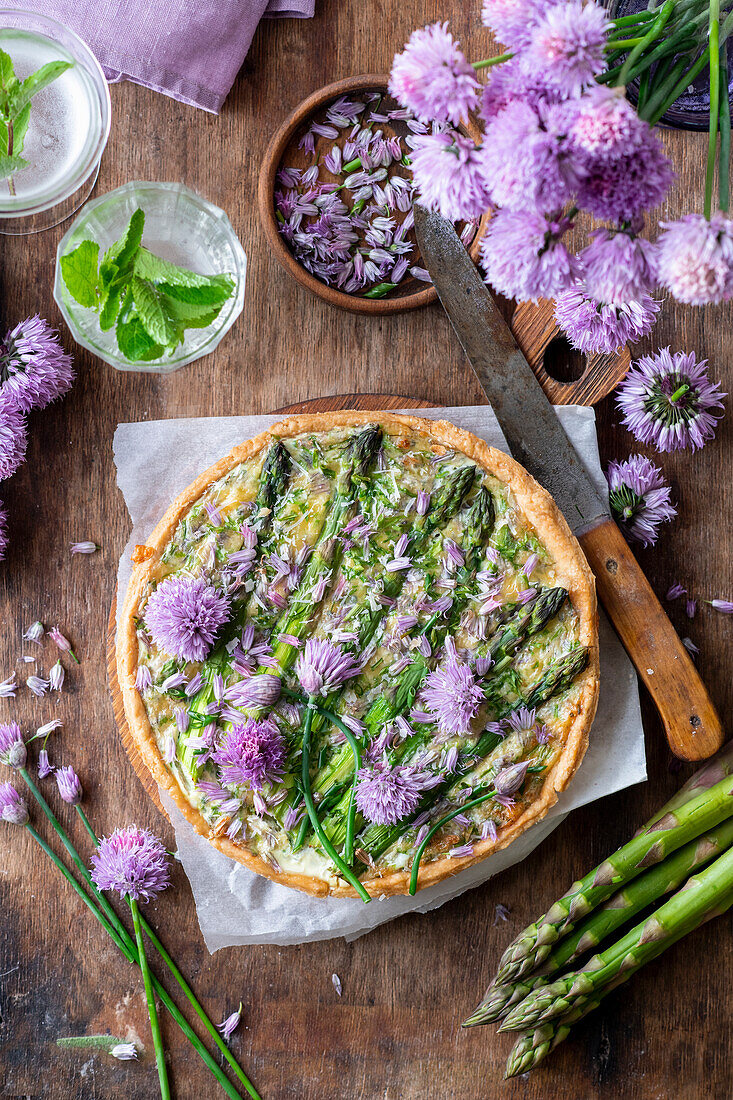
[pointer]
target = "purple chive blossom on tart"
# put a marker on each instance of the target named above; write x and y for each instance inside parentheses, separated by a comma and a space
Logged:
(322, 667)
(432, 78)
(12, 747)
(133, 862)
(524, 721)
(184, 615)
(69, 785)
(12, 806)
(257, 691)
(640, 499)
(385, 794)
(230, 1024)
(34, 368)
(144, 678)
(451, 694)
(8, 687)
(668, 401)
(509, 780)
(254, 753)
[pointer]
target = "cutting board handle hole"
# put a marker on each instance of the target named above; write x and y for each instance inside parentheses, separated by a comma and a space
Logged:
(562, 362)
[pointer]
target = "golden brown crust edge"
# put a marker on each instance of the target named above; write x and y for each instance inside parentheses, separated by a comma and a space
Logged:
(539, 508)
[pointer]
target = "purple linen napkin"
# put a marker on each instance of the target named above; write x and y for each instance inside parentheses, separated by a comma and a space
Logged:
(191, 50)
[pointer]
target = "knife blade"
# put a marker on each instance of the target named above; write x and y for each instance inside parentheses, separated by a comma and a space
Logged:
(538, 441)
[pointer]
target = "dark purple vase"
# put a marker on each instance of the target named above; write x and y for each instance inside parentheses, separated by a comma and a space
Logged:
(692, 110)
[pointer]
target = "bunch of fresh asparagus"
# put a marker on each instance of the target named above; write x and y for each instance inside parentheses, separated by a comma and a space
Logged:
(686, 847)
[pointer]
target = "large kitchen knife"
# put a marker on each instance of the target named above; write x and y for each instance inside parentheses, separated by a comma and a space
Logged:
(538, 441)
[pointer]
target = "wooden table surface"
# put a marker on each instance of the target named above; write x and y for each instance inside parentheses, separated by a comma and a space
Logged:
(395, 1031)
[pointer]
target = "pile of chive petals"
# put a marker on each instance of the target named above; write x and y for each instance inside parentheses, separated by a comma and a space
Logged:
(353, 231)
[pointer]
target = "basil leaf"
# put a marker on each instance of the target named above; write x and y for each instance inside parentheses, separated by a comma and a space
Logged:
(79, 271)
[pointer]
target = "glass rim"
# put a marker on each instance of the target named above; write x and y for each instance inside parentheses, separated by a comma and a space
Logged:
(38, 22)
(180, 357)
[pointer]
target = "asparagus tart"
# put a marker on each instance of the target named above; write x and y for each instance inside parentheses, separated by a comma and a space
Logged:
(360, 653)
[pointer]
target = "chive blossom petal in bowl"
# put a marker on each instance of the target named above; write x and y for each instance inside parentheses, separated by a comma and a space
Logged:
(150, 277)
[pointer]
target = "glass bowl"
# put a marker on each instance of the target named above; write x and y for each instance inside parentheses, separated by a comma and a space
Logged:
(68, 128)
(180, 226)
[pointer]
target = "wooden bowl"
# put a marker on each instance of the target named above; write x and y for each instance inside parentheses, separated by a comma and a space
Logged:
(411, 293)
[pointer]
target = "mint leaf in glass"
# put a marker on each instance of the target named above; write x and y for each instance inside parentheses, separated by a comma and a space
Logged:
(15, 107)
(79, 271)
(149, 301)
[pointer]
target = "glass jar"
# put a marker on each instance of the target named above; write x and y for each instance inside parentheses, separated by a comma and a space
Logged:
(68, 124)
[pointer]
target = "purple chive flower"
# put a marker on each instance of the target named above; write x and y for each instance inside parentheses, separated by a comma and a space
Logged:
(56, 677)
(432, 78)
(12, 807)
(509, 780)
(449, 174)
(512, 20)
(44, 766)
(230, 1024)
(258, 691)
(84, 547)
(460, 851)
(34, 368)
(452, 695)
(323, 666)
(639, 497)
(69, 785)
(501, 914)
(566, 45)
(133, 862)
(594, 326)
(489, 830)
(385, 794)
(3, 531)
(175, 680)
(194, 685)
(668, 401)
(8, 687)
(143, 678)
(690, 608)
(37, 685)
(524, 159)
(602, 123)
(724, 606)
(523, 255)
(124, 1052)
(618, 267)
(12, 748)
(34, 633)
(60, 641)
(620, 187)
(690, 646)
(524, 721)
(184, 614)
(13, 439)
(422, 502)
(253, 753)
(675, 591)
(696, 258)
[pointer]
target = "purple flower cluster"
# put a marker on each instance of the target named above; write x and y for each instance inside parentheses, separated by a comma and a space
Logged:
(133, 862)
(252, 753)
(451, 694)
(640, 498)
(323, 666)
(432, 78)
(387, 793)
(183, 616)
(669, 401)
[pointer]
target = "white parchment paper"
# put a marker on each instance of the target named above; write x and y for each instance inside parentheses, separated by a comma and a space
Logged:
(155, 461)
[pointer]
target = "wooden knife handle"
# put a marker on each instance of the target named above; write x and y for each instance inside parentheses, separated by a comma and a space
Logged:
(690, 720)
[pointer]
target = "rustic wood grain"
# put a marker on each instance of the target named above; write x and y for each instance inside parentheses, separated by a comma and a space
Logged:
(394, 1033)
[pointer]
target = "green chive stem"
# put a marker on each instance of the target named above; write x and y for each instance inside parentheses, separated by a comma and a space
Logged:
(165, 1091)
